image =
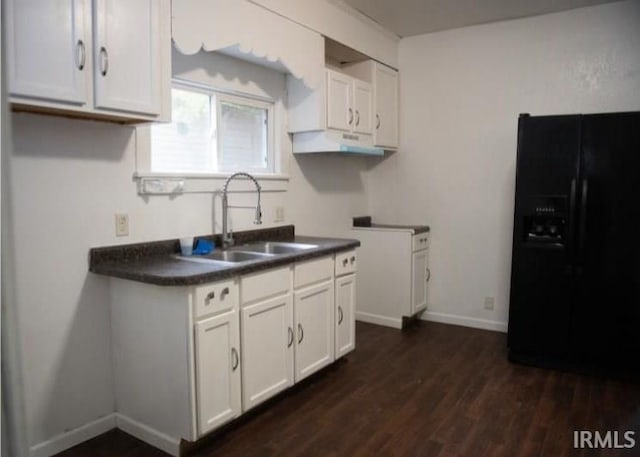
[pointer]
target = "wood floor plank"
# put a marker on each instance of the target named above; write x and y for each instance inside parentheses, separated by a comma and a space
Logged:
(433, 391)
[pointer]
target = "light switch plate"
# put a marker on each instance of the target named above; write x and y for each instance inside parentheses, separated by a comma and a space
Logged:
(489, 303)
(279, 214)
(122, 225)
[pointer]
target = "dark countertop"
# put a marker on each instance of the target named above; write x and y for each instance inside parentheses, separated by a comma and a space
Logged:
(157, 262)
(365, 222)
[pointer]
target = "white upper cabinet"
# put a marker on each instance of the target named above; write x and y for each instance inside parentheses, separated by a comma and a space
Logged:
(127, 55)
(386, 106)
(362, 107)
(339, 101)
(384, 81)
(104, 59)
(47, 45)
(349, 103)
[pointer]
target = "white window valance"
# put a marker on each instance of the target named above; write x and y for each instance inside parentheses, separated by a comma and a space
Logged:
(246, 30)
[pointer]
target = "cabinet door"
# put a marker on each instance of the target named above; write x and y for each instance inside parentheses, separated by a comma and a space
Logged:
(419, 281)
(267, 349)
(363, 107)
(345, 338)
(386, 101)
(340, 114)
(47, 49)
(127, 65)
(315, 327)
(217, 371)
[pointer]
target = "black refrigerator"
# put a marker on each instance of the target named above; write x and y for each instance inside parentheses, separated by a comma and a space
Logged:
(575, 274)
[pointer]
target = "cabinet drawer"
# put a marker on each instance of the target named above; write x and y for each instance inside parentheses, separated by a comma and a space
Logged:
(420, 241)
(215, 298)
(312, 271)
(346, 262)
(259, 286)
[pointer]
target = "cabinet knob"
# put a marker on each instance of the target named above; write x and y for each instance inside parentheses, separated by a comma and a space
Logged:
(340, 315)
(210, 296)
(224, 292)
(300, 333)
(345, 262)
(350, 116)
(357, 118)
(428, 274)
(81, 54)
(353, 259)
(378, 121)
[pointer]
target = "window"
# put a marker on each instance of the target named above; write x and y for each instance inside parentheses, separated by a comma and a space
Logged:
(214, 132)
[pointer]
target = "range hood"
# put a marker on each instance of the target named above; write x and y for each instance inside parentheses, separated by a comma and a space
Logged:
(334, 141)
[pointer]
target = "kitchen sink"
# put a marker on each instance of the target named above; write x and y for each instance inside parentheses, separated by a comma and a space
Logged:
(236, 256)
(224, 258)
(276, 247)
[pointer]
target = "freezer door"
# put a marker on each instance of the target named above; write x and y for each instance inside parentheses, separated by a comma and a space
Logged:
(608, 326)
(542, 281)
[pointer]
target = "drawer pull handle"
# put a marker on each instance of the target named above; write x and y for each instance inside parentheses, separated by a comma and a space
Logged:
(81, 55)
(290, 337)
(353, 259)
(224, 292)
(235, 359)
(210, 296)
(340, 315)
(345, 262)
(300, 333)
(104, 61)
(428, 274)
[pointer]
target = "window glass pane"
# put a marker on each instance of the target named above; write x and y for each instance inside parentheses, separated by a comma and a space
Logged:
(243, 137)
(188, 143)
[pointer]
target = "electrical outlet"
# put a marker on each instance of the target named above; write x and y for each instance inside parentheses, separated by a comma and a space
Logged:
(489, 303)
(279, 214)
(122, 225)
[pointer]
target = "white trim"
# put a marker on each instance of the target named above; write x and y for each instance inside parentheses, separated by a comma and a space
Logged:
(73, 437)
(167, 184)
(378, 320)
(149, 435)
(464, 321)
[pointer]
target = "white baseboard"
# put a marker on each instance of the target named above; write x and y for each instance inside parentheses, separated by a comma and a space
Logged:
(378, 320)
(149, 435)
(73, 437)
(473, 322)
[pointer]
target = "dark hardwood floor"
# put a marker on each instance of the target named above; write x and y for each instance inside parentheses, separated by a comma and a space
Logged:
(433, 391)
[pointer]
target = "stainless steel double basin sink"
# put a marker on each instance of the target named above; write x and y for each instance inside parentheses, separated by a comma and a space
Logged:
(249, 252)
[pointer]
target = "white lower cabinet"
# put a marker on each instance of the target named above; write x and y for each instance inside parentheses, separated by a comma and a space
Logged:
(420, 276)
(315, 328)
(217, 355)
(212, 351)
(267, 349)
(345, 338)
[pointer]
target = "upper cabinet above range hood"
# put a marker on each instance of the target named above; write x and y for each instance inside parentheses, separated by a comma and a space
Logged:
(354, 111)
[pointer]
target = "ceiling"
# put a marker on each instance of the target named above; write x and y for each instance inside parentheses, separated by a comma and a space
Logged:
(414, 17)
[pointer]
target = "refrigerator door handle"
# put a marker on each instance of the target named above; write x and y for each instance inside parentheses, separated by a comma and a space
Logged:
(582, 236)
(571, 232)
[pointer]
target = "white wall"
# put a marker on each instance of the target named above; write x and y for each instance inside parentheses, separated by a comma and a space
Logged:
(461, 93)
(69, 177)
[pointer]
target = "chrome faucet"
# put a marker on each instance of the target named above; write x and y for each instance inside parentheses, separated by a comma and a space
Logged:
(227, 238)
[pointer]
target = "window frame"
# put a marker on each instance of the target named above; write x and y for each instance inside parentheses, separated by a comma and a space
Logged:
(220, 96)
(150, 183)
